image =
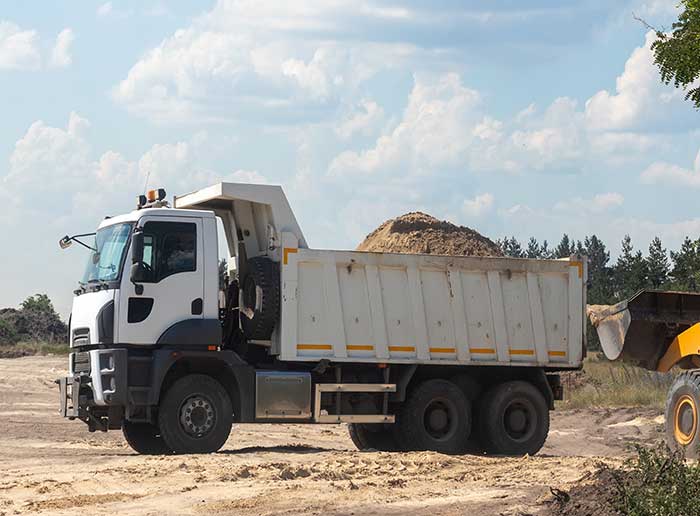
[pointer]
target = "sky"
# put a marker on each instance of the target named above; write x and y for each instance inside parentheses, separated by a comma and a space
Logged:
(525, 118)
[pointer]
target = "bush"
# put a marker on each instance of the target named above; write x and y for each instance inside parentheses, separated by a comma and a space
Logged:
(35, 321)
(657, 483)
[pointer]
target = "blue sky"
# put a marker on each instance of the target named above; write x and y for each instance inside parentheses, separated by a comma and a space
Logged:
(515, 118)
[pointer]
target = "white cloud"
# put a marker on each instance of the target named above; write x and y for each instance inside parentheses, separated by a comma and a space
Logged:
(436, 130)
(598, 204)
(18, 48)
(639, 98)
(661, 172)
(364, 121)
(105, 9)
(60, 54)
(246, 176)
(479, 205)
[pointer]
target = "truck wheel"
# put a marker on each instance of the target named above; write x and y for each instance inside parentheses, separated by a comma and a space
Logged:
(195, 415)
(372, 437)
(437, 417)
(514, 419)
(261, 298)
(682, 432)
(144, 438)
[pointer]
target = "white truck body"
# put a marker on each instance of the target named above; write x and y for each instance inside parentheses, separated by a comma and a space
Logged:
(349, 306)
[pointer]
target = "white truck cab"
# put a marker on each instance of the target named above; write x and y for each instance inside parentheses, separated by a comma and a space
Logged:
(399, 346)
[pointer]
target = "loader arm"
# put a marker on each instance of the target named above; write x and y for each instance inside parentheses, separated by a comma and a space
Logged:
(655, 330)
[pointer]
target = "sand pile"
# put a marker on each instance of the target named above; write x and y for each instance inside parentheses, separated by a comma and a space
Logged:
(419, 233)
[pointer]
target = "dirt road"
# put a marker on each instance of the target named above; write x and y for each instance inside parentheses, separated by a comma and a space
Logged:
(52, 466)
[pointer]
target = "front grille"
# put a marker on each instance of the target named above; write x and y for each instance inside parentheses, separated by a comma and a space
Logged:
(81, 362)
(81, 336)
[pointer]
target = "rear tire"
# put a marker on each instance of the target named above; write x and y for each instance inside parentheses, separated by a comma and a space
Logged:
(372, 437)
(436, 417)
(195, 415)
(682, 432)
(145, 438)
(513, 419)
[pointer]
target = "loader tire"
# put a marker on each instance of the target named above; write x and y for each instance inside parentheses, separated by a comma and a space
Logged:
(261, 298)
(145, 438)
(195, 415)
(377, 437)
(513, 419)
(682, 411)
(436, 417)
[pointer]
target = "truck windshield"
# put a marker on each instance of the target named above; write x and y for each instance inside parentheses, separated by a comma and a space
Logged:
(105, 263)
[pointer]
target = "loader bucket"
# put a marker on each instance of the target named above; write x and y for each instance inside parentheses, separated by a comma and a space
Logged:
(642, 329)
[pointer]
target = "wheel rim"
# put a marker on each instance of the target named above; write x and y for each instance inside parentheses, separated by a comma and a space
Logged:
(685, 420)
(520, 420)
(197, 415)
(440, 419)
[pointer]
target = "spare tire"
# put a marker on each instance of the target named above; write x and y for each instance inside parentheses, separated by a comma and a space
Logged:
(261, 298)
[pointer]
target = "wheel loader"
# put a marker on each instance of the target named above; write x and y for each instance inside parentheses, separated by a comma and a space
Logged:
(660, 331)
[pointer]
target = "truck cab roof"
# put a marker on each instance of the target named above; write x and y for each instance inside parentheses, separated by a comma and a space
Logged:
(136, 215)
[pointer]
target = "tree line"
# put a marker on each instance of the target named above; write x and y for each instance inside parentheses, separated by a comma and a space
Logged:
(609, 281)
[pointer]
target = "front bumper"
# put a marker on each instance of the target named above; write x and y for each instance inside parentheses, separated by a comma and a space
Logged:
(96, 389)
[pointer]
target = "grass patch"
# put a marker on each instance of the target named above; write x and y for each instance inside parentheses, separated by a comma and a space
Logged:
(23, 349)
(602, 383)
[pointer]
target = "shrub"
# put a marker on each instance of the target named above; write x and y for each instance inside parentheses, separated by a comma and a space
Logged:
(657, 483)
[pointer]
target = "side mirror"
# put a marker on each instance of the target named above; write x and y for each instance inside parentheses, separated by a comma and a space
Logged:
(137, 247)
(137, 269)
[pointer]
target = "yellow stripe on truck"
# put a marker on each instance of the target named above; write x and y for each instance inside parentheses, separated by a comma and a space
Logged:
(315, 346)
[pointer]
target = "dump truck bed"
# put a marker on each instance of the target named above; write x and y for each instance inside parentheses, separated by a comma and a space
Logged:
(394, 308)
(348, 306)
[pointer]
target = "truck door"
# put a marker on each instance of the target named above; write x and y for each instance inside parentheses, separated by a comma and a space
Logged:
(173, 286)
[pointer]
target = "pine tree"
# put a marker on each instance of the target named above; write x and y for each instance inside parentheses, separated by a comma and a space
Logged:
(686, 266)
(565, 247)
(630, 271)
(533, 249)
(657, 264)
(545, 251)
(600, 289)
(511, 247)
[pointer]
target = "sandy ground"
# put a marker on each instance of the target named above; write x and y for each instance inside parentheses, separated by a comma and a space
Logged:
(53, 466)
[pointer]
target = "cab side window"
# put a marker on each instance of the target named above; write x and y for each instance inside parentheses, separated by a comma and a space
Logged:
(169, 248)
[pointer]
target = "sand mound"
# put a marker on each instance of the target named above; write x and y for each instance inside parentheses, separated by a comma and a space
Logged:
(419, 233)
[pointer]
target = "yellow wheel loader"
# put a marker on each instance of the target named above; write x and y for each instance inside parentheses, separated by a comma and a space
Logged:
(658, 331)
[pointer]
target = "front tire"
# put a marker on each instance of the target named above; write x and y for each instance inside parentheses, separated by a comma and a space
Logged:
(145, 438)
(436, 417)
(513, 419)
(195, 415)
(372, 437)
(682, 432)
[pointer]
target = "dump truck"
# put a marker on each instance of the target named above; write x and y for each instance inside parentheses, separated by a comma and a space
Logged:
(658, 331)
(414, 352)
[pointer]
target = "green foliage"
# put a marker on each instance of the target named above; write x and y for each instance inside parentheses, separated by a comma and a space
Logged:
(565, 248)
(630, 273)
(685, 273)
(657, 264)
(39, 303)
(678, 54)
(511, 247)
(35, 321)
(657, 483)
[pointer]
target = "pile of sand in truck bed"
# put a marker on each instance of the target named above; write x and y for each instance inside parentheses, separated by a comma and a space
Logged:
(419, 233)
